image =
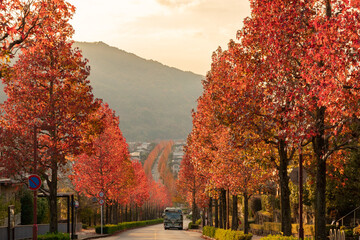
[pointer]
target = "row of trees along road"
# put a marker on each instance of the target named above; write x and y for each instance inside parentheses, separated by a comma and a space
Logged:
(51, 108)
(288, 86)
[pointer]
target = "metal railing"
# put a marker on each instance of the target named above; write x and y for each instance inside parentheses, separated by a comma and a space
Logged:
(342, 218)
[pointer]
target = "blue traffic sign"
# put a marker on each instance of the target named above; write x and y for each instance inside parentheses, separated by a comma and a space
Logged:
(34, 182)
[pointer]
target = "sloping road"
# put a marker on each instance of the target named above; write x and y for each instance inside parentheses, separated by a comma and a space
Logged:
(156, 232)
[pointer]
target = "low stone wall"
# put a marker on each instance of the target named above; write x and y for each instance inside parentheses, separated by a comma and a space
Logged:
(25, 231)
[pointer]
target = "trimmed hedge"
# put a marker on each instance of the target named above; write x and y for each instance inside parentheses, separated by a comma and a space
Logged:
(193, 226)
(309, 230)
(54, 236)
(111, 228)
(275, 228)
(279, 237)
(223, 234)
(209, 231)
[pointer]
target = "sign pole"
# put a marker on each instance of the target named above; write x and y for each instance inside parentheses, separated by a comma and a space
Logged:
(101, 219)
(101, 195)
(35, 228)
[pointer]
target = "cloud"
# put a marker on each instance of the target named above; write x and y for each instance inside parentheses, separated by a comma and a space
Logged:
(178, 3)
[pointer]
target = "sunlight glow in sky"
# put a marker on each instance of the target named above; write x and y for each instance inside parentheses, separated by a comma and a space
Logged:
(177, 33)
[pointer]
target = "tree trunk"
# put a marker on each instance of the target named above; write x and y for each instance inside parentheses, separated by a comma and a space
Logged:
(53, 197)
(194, 213)
(221, 213)
(224, 207)
(235, 217)
(131, 212)
(126, 213)
(106, 213)
(116, 220)
(285, 191)
(246, 213)
(203, 217)
(210, 217)
(136, 213)
(227, 209)
(320, 147)
(95, 213)
(216, 213)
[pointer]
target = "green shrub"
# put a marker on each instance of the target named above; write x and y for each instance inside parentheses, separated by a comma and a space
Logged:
(198, 222)
(109, 229)
(223, 234)
(26, 208)
(209, 231)
(279, 237)
(348, 232)
(309, 230)
(256, 227)
(272, 227)
(193, 226)
(85, 226)
(255, 204)
(356, 231)
(54, 236)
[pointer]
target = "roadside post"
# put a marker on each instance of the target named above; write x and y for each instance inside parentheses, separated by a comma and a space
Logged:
(11, 222)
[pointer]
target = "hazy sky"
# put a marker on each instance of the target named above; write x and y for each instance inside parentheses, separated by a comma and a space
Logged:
(177, 33)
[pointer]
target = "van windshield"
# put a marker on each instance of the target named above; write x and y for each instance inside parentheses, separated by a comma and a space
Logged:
(173, 215)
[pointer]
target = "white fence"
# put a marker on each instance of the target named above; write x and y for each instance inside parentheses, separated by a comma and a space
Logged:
(337, 234)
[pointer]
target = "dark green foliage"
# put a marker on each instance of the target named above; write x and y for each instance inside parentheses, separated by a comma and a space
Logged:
(109, 229)
(255, 204)
(54, 236)
(26, 208)
(42, 210)
(343, 190)
(193, 225)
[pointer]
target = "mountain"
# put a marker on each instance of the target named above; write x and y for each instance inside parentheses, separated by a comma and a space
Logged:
(153, 101)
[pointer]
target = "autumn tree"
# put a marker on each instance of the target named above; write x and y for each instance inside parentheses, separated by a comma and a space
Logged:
(141, 191)
(164, 170)
(150, 160)
(23, 21)
(310, 57)
(108, 167)
(189, 184)
(49, 97)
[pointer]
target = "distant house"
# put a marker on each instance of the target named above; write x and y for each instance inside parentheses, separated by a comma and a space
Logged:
(176, 168)
(135, 155)
(178, 156)
(144, 146)
(8, 188)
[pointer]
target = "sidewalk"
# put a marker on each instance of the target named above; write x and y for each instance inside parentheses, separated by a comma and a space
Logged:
(89, 234)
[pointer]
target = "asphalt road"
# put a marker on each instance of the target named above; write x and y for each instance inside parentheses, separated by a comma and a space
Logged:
(156, 232)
